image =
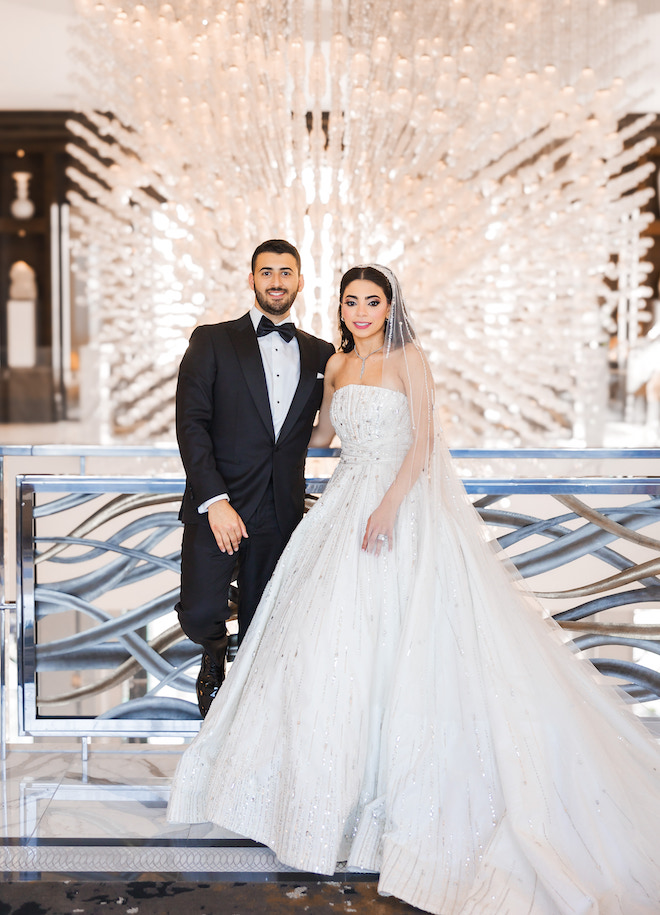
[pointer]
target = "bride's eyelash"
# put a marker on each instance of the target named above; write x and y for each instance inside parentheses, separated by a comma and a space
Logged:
(369, 302)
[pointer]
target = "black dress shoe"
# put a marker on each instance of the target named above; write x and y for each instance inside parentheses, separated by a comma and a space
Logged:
(209, 681)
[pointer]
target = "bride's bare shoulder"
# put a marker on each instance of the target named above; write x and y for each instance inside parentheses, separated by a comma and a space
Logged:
(336, 361)
(409, 356)
(411, 365)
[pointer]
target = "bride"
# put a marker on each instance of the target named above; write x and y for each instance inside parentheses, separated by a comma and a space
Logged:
(401, 702)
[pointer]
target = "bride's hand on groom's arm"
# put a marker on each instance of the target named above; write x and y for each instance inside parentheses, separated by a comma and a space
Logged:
(227, 526)
(380, 528)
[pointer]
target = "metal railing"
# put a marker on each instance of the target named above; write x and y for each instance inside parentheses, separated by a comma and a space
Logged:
(99, 650)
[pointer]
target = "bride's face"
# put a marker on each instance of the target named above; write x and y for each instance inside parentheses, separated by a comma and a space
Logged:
(364, 309)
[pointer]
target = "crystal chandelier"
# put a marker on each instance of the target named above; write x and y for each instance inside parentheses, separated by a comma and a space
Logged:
(472, 145)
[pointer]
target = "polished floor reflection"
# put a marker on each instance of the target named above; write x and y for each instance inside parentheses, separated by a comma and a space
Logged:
(64, 814)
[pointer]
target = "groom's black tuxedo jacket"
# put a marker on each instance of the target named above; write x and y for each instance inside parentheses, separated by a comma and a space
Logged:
(224, 424)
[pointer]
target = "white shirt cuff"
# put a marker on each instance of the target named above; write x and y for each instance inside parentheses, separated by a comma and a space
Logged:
(204, 507)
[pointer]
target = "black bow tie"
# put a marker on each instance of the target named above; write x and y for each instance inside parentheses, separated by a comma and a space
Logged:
(287, 330)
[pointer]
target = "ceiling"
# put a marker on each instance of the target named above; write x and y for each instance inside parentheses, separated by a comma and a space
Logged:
(37, 63)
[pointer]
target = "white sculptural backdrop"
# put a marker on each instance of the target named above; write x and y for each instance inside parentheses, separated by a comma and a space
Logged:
(473, 146)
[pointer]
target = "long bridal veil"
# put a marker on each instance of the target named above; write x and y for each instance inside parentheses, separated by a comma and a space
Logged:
(525, 775)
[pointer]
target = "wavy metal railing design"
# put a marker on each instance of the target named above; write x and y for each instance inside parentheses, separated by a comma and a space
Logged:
(96, 602)
(594, 538)
(122, 562)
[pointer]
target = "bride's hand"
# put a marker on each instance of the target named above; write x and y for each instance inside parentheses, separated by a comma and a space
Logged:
(380, 529)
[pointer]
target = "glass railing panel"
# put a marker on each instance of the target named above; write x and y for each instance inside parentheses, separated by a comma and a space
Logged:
(100, 651)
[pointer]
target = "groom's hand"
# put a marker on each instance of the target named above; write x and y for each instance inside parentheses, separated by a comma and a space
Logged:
(227, 526)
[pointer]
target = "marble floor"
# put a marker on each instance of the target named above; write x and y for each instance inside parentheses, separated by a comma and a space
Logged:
(64, 815)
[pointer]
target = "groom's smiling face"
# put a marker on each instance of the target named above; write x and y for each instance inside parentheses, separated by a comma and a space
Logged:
(276, 282)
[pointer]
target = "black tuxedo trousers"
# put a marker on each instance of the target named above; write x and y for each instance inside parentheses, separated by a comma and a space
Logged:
(225, 434)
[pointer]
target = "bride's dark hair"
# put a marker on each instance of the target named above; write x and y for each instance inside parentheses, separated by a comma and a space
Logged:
(359, 273)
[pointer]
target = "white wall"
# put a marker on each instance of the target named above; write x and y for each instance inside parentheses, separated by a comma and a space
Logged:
(650, 79)
(35, 61)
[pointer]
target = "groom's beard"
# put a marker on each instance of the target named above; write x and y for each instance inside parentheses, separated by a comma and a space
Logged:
(278, 307)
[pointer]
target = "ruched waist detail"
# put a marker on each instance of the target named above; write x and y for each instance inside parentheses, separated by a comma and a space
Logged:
(377, 452)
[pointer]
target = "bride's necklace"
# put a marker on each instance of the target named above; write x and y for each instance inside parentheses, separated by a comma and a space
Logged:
(363, 359)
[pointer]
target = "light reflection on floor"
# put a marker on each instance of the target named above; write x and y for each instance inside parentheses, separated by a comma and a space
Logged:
(64, 815)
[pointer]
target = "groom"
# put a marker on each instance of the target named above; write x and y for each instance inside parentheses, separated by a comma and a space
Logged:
(247, 396)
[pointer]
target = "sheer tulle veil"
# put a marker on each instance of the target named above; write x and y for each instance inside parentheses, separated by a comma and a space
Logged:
(429, 461)
(404, 362)
(429, 465)
(494, 681)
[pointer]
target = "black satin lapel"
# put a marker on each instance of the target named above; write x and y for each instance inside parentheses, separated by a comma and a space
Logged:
(308, 370)
(245, 343)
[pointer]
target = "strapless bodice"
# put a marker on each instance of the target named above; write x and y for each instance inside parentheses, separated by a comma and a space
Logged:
(373, 423)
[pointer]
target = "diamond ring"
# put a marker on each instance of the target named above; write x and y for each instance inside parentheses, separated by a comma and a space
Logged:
(381, 537)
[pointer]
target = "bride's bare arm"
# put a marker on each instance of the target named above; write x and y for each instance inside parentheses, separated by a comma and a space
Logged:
(419, 386)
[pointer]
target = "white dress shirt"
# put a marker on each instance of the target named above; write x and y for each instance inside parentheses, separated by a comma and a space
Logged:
(281, 361)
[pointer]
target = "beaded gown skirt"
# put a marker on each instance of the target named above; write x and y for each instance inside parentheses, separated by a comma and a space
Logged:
(417, 714)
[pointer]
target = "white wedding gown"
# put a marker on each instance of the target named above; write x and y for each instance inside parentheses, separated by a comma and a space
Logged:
(418, 714)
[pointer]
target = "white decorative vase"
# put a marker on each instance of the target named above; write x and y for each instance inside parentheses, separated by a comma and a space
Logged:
(22, 207)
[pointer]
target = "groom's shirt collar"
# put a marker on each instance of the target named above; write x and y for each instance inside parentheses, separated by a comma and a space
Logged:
(257, 315)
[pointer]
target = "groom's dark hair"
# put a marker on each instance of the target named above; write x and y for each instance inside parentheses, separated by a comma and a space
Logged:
(276, 246)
